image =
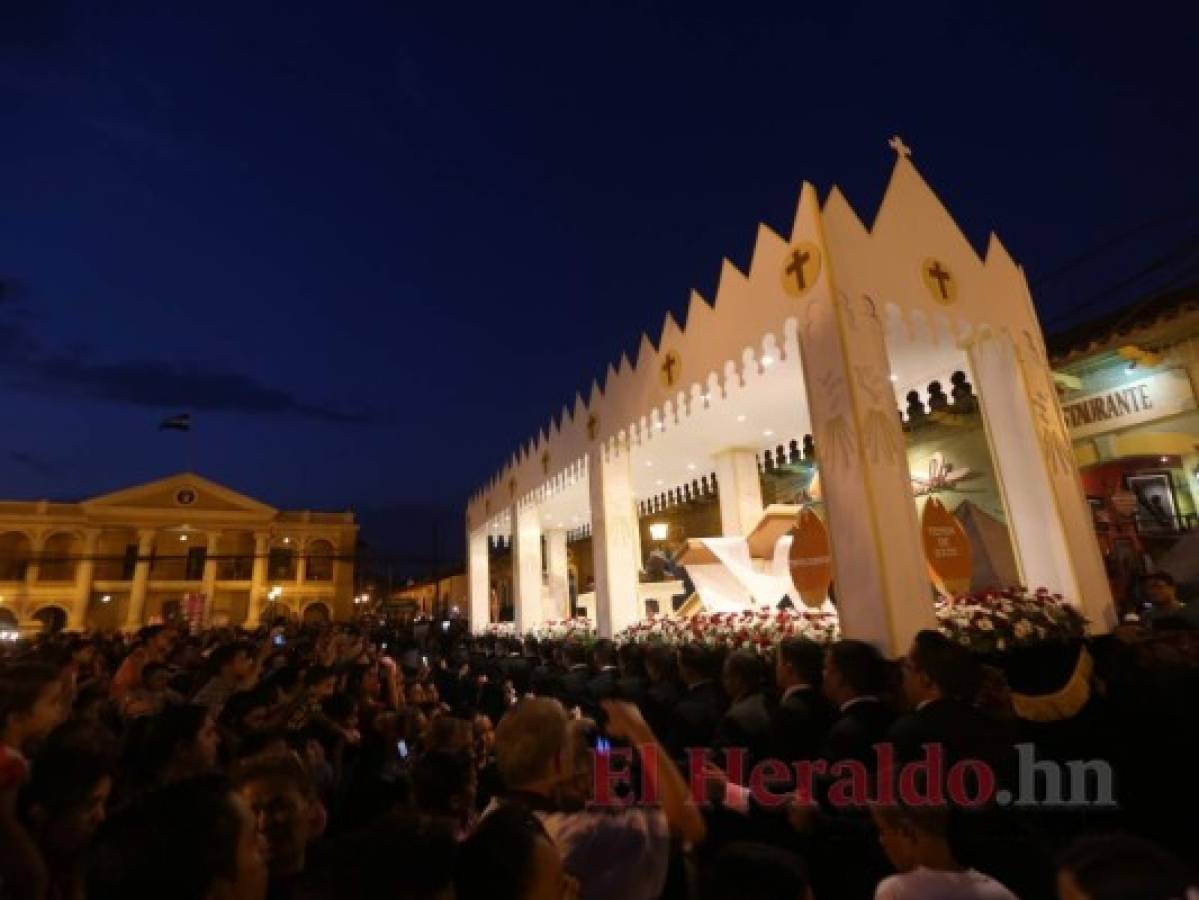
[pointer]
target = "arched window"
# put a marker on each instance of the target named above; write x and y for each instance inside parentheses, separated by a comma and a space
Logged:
(58, 558)
(15, 550)
(320, 560)
(316, 614)
(52, 618)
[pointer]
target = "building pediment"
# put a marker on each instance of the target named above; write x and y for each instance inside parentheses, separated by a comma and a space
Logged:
(182, 493)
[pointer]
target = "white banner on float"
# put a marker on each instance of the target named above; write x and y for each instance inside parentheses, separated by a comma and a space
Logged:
(724, 586)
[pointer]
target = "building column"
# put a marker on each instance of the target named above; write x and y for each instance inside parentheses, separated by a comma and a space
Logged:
(84, 571)
(135, 614)
(613, 540)
(208, 584)
(739, 490)
(302, 563)
(559, 574)
(478, 606)
(343, 578)
(526, 566)
(32, 571)
(262, 549)
(1048, 518)
(881, 583)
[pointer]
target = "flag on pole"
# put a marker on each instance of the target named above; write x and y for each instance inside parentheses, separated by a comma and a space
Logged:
(181, 422)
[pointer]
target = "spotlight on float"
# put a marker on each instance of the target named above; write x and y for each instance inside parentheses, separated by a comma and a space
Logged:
(659, 530)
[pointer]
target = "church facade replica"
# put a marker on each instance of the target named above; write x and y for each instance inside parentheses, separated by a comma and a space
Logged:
(814, 359)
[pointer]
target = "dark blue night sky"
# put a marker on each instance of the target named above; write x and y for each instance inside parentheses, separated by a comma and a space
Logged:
(372, 246)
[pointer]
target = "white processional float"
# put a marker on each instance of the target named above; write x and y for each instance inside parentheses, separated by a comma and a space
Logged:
(817, 341)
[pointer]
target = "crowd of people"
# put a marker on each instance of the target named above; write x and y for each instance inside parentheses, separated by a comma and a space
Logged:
(409, 759)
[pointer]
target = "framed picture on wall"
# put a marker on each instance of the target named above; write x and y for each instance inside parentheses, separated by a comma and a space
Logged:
(1156, 509)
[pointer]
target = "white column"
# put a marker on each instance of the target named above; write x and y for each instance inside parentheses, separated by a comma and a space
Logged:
(135, 614)
(1048, 517)
(208, 585)
(638, 550)
(739, 490)
(478, 579)
(559, 574)
(613, 540)
(262, 549)
(880, 578)
(85, 569)
(526, 566)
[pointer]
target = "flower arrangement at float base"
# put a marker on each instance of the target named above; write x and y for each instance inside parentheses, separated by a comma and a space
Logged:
(500, 630)
(577, 629)
(989, 622)
(749, 630)
(1001, 620)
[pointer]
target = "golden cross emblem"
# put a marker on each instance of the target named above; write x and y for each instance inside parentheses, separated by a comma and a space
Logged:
(669, 368)
(939, 281)
(801, 268)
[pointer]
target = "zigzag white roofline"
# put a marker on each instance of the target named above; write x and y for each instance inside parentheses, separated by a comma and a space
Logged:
(721, 345)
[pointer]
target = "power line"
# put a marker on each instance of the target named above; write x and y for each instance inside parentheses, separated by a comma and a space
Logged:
(1180, 252)
(1178, 214)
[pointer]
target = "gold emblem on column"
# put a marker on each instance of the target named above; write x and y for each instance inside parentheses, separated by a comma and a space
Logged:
(592, 426)
(670, 368)
(545, 462)
(939, 280)
(801, 268)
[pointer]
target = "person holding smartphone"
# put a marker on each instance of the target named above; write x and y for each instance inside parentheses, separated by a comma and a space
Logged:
(545, 759)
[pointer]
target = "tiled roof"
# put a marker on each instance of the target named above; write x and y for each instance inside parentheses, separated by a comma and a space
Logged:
(1108, 330)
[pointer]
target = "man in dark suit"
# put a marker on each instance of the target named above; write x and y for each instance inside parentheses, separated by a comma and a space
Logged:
(515, 666)
(940, 680)
(803, 716)
(702, 705)
(603, 685)
(843, 846)
(855, 677)
(546, 680)
(578, 674)
(746, 723)
(662, 693)
(632, 682)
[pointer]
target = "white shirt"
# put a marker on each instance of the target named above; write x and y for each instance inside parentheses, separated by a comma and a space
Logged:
(864, 698)
(937, 884)
(791, 690)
